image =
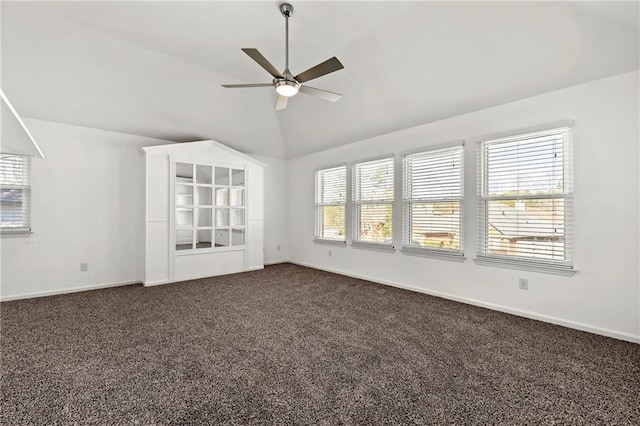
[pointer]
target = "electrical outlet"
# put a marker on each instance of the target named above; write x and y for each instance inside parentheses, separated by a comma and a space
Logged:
(278, 248)
(523, 283)
(330, 254)
(84, 267)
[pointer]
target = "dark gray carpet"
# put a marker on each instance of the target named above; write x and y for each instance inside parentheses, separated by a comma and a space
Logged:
(292, 345)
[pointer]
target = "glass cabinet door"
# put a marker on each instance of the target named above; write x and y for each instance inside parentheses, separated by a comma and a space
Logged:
(237, 213)
(184, 200)
(210, 206)
(204, 206)
(229, 207)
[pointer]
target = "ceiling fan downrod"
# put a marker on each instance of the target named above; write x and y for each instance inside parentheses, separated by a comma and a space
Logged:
(287, 10)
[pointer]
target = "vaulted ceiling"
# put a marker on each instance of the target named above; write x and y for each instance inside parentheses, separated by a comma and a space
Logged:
(155, 68)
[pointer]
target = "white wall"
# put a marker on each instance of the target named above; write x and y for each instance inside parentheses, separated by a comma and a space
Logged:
(603, 296)
(14, 136)
(88, 206)
(276, 232)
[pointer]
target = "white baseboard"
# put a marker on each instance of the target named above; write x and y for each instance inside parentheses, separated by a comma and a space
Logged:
(65, 290)
(254, 268)
(531, 315)
(275, 262)
(154, 283)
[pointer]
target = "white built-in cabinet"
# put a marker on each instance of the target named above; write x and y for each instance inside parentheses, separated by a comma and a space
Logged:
(204, 213)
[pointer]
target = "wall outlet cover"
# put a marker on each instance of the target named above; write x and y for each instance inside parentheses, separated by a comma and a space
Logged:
(523, 284)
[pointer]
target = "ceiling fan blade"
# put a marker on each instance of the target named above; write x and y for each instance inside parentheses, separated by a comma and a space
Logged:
(262, 61)
(328, 66)
(281, 103)
(319, 93)
(236, 86)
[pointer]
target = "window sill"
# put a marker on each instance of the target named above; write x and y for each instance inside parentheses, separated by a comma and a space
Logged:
(15, 234)
(525, 265)
(373, 246)
(331, 242)
(452, 256)
(208, 250)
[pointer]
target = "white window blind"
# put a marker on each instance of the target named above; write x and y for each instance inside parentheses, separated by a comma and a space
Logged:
(525, 188)
(373, 201)
(432, 201)
(331, 197)
(15, 194)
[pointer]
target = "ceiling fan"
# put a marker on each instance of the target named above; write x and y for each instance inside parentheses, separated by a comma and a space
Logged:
(285, 83)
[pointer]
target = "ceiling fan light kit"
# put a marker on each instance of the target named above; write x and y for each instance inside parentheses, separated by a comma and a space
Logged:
(287, 88)
(285, 84)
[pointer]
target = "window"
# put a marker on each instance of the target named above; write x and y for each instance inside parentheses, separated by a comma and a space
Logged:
(331, 197)
(432, 201)
(15, 194)
(373, 201)
(525, 200)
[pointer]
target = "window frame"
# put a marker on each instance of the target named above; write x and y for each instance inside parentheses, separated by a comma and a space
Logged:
(318, 206)
(355, 205)
(560, 267)
(440, 253)
(25, 188)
